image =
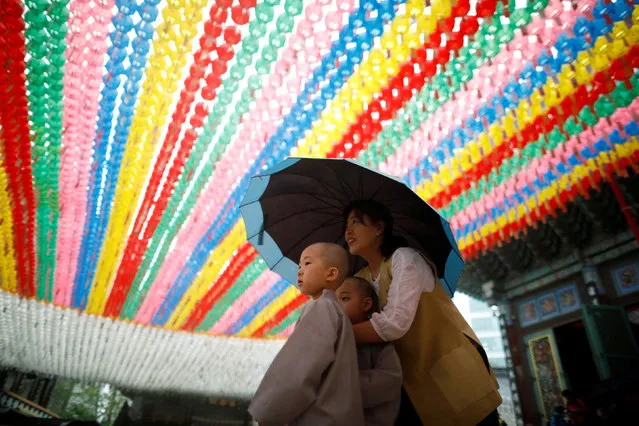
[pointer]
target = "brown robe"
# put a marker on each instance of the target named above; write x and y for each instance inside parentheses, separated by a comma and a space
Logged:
(313, 380)
(380, 375)
(444, 373)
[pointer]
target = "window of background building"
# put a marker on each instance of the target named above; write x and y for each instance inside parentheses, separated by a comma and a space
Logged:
(481, 325)
(477, 305)
(486, 327)
(492, 344)
(497, 362)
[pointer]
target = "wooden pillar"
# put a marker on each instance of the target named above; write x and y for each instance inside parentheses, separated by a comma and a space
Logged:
(4, 374)
(47, 391)
(34, 389)
(625, 208)
(521, 368)
(17, 382)
(510, 366)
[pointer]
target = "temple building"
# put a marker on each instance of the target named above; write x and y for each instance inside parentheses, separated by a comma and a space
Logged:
(567, 293)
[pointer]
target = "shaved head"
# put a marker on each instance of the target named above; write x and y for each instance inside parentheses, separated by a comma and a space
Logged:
(364, 288)
(335, 256)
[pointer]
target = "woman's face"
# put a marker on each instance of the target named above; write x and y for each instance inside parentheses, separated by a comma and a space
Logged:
(362, 234)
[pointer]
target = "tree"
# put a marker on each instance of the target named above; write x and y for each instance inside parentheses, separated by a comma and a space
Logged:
(86, 401)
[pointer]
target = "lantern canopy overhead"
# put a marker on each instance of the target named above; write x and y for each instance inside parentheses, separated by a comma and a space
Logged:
(129, 131)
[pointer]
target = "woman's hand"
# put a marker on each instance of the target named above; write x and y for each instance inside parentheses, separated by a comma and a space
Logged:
(365, 333)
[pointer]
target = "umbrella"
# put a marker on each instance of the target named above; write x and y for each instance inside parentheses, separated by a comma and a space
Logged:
(301, 201)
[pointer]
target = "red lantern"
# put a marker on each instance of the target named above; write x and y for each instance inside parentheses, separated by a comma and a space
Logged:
(240, 15)
(218, 14)
(232, 36)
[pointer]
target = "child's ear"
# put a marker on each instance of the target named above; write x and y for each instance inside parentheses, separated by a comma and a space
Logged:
(367, 304)
(333, 274)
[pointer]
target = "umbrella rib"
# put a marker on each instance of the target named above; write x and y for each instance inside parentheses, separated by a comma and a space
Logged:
(277, 263)
(399, 197)
(326, 186)
(384, 183)
(450, 290)
(346, 189)
(290, 216)
(360, 187)
(402, 229)
(309, 233)
(315, 196)
(398, 215)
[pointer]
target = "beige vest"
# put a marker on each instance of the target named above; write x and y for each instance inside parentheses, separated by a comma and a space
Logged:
(444, 374)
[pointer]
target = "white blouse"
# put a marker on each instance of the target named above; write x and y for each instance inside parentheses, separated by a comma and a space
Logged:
(411, 277)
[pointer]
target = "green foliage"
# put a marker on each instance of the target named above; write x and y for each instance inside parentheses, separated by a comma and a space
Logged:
(86, 401)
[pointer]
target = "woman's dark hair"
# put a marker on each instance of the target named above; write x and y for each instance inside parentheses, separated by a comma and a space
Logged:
(569, 395)
(378, 213)
(366, 289)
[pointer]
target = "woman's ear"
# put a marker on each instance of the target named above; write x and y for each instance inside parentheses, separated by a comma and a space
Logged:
(379, 228)
(367, 304)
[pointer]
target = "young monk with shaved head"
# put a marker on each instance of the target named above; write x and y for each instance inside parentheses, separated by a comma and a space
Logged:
(313, 379)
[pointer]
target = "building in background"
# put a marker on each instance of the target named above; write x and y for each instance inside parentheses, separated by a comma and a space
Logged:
(486, 326)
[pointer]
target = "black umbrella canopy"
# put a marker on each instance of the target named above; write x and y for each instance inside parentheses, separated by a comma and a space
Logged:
(305, 199)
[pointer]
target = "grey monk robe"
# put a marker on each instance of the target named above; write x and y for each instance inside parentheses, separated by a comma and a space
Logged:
(380, 375)
(314, 379)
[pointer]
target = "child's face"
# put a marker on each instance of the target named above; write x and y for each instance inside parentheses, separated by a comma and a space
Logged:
(354, 303)
(313, 274)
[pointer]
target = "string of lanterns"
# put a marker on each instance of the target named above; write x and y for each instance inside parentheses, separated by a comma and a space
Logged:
(130, 129)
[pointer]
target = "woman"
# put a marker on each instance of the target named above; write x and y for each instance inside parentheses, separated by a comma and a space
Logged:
(447, 378)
